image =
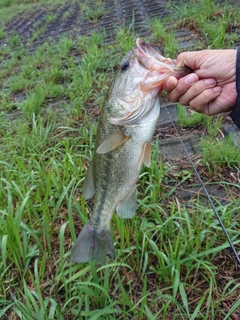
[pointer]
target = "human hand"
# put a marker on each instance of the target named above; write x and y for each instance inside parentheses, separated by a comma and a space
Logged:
(211, 88)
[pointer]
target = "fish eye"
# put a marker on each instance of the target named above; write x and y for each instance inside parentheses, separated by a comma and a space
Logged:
(125, 65)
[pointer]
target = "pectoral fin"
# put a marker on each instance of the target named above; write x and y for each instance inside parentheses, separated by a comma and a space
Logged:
(127, 207)
(112, 142)
(145, 156)
(88, 184)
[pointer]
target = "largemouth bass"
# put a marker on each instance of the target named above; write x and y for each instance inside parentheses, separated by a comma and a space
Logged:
(123, 144)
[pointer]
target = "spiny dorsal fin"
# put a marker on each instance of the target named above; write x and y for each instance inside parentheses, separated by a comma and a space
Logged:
(112, 142)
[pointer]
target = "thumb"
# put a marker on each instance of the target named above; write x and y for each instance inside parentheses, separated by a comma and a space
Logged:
(189, 59)
(170, 83)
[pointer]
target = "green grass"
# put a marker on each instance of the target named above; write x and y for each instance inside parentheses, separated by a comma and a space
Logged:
(215, 25)
(168, 256)
(12, 8)
(216, 149)
(215, 22)
(161, 33)
(92, 11)
(220, 152)
(188, 119)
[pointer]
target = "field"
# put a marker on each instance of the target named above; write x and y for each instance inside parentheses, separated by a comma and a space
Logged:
(173, 260)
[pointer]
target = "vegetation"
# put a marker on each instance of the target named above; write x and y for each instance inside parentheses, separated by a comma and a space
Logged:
(215, 21)
(172, 259)
(93, 11)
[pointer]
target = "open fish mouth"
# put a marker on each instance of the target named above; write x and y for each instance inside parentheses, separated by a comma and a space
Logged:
(152, 59)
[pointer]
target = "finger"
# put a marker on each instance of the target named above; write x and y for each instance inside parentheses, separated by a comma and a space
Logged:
(223, 102)
(182, 86)
(215, 107)
(170, 83)
(202, 102)
(191, 59)
(196, 89)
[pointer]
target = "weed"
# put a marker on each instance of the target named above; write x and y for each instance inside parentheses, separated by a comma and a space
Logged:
(216, 152)
(34, 101)
(66, 15)
(187, 119)
(50, 18)
(2, 33)
(166, 37)
(125, 37)
(219, 152)
(65, 45)
(204, 16)
(93, 11)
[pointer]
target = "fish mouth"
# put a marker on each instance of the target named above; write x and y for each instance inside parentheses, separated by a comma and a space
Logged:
(152, 59)
(145, 48)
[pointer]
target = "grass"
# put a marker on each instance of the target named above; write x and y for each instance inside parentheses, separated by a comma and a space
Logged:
(220, 152)
(203, 16)
(173, 260)
(217, 150)
(93, 11)
(167, 37)
(12, 8)
(214, 26)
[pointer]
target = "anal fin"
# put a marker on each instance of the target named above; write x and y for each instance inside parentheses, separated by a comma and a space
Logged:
(127, 207)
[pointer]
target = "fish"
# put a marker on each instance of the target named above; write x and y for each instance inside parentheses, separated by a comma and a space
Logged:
(126, 125)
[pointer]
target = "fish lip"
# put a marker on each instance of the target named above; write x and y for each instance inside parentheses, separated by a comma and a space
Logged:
(151, 58)
(140, 44)
(144, 51)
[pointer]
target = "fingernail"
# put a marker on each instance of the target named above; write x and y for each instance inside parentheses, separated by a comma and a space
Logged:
(217, 89)
(210, 82)
(191, 78)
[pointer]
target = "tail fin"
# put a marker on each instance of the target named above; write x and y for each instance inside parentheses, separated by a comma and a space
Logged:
(92, 244)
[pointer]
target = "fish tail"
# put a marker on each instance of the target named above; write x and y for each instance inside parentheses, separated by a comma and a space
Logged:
(92, 244)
